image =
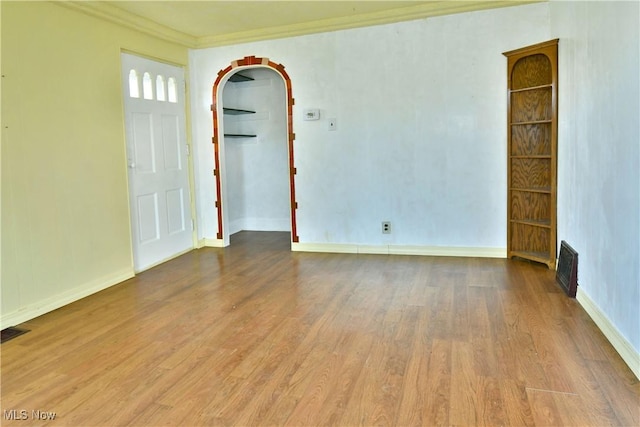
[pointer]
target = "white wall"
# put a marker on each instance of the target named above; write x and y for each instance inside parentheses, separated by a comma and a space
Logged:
(599, 154)
(256, 170)
(421, 119)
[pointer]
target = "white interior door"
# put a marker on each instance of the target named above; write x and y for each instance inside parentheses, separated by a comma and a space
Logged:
(157, 153)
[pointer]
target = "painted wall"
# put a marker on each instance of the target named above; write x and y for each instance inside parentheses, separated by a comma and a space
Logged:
(65, 217)
(421, 119)
(599, 153)
(256, 171)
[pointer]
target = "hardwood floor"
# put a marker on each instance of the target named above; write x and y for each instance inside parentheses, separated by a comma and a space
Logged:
(254, 334)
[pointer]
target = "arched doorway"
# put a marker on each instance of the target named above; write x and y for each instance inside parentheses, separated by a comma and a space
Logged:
(219, 138)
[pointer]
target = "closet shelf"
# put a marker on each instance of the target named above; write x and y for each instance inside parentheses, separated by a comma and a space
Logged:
(237, 77)
(236, 111)
(239, 135)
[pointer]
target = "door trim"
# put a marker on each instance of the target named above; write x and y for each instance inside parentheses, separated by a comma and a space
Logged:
(216, 109)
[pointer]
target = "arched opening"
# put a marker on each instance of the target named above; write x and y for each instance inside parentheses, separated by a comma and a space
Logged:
(219, 138)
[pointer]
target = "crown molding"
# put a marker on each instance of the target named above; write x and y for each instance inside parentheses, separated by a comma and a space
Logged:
(129, 20)
(114, 14)
(431, 9)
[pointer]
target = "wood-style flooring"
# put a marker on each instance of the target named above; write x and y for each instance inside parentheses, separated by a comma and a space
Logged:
(255, 335)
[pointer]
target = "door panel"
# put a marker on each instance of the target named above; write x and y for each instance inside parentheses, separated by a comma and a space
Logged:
(148, 216)
(171, 143)
(157, 157)
(175, 213)
(145, 158)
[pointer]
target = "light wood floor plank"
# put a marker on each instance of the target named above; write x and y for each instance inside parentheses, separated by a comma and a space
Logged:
(257, 335)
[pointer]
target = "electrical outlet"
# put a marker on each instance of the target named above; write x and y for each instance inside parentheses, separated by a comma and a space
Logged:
(386, 227)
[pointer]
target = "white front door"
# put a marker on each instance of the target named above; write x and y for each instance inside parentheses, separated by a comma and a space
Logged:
(157, 158)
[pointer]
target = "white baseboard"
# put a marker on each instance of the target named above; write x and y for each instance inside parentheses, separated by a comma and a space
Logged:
(235, 226)
(629, 354)
(334, 248)
(162, 261)
(212, 243)
(267, 224)
(39, 308)
(454, 251)
(259, 224)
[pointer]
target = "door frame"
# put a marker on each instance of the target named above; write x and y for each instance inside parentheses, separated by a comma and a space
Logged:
(249, 62)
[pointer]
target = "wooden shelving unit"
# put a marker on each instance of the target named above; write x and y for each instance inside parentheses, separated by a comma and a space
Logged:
(532, 75)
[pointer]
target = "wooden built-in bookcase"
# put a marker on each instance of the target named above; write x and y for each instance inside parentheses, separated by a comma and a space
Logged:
(532, 128)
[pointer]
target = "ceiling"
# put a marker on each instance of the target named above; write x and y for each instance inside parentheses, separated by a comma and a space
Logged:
(207, 23)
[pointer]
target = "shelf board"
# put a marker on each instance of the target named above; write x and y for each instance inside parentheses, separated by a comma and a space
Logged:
(545, 190)
(532, 156)
(542, 257)
(237, 77)
(236, 111)
(543, 223)
(238, 135)
(532, 122)
(524, 89)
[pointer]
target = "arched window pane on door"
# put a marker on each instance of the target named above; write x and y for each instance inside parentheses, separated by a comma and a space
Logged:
(134, 85)
(160, 91)
(147, 86)
(172, 90)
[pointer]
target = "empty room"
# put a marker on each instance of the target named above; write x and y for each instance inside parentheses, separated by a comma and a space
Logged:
(320, 213)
